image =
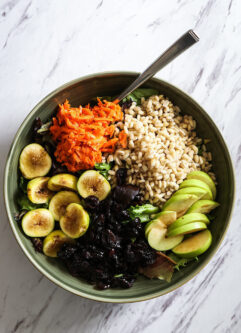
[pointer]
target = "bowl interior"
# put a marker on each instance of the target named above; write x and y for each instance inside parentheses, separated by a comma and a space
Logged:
(80, 92)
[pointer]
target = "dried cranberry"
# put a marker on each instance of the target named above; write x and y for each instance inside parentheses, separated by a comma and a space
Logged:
(86, 254)
(127, 104)
(101, 285)
(107, 256)
(92, 203)
(67, 251)
(124, 283)
(121, 176)
(38, 244)
(124, 215)
(98, 255)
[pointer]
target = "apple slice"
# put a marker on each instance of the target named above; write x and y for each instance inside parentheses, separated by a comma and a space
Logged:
(153, 224)
(198, 191)
(203, 206)
(165, 218)
(195, 245)
(203, 176)
(189, 218)
(197, 183)
(180, 203)
(158, 240)
(187, 229)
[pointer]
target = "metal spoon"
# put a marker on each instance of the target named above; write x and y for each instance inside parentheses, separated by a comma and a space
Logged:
(182, 44)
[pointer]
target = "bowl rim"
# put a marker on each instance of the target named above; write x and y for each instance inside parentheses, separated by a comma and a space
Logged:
(55, 280)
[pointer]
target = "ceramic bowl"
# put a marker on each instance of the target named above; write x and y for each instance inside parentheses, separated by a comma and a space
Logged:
(81, 91)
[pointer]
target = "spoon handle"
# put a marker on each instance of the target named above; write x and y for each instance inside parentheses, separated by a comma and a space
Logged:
(182, 44)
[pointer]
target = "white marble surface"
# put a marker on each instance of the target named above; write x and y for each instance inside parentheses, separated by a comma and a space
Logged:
(46, 43)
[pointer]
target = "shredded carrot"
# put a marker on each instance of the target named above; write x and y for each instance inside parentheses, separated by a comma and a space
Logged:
(123, 139)
(83, 134)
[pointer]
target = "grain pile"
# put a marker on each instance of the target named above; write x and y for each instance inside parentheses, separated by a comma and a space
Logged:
(162, 148)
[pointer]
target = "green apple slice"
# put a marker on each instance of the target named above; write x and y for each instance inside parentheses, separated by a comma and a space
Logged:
(198, 191)
(158, 240)
(203, 206)
(197, 183)
(195, 245)
(153, 224)
(187, 229)
(180, 203)
(165, 218)
(189, 218)
(203, 176)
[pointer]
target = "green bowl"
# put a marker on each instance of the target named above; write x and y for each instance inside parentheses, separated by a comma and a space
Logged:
(81, 91)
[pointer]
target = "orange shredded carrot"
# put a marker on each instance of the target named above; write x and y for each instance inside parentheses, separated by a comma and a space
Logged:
(123, 139)
(83, 134)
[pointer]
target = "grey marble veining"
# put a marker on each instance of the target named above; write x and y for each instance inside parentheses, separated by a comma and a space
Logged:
(44, 44)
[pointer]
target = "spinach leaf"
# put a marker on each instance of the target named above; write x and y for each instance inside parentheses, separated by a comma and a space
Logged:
(23, 184)
(136, 95)
(210, 217)
(142, 212)
(181, 262)
(25, 204)
(103, 168)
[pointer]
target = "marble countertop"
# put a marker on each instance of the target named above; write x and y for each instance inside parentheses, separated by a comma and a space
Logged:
(47, 43)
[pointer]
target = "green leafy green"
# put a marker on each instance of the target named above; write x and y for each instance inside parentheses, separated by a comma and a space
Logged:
(23, 184)
(25, 204)
(181, 262)
(136, 95)
(200, 150)
(118, 275)
(143, 209)
(210, 217)
(103, 168)
(143, 212)
(144, 218)
(44, 128)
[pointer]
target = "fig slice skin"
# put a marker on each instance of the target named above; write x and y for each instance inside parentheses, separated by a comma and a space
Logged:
(34, 161)
(91, 182)
(63, 181)
(53, 243)
(75, 222)
(38, 222)
(60, 201)
(37, 190)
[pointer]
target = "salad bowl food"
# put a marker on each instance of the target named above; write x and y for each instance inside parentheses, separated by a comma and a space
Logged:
(137, 197)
